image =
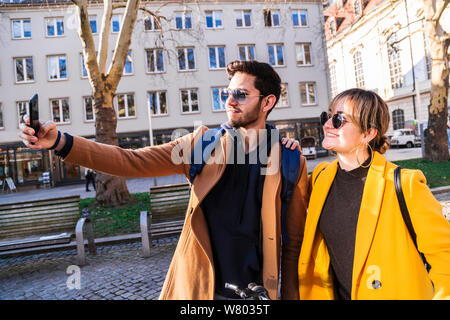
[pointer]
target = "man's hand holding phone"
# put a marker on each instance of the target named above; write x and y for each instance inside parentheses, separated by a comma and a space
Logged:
(45, 138)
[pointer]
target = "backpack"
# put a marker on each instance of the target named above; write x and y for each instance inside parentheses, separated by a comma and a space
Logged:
(290, 167)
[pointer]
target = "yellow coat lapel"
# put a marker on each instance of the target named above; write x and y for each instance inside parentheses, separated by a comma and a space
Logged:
(368, 215)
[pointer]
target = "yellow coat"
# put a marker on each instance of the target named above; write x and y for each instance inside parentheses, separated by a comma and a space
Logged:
(384, 250)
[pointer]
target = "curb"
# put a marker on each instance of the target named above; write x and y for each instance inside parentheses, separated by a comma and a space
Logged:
(439, 190)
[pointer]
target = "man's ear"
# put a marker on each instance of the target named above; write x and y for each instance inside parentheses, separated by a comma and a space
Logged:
(268, 103)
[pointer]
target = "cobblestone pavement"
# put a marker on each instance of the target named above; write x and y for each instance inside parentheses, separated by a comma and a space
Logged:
(117, 272)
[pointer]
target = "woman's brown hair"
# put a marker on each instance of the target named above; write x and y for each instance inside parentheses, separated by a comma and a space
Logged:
(369, 111)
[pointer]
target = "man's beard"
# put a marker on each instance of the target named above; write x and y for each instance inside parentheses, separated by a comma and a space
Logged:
(248, 119)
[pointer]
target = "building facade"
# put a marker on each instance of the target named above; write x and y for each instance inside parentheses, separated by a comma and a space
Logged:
(381, 45)
(173, 75)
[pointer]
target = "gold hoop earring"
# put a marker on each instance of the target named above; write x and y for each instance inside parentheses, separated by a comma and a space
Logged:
(371, 157)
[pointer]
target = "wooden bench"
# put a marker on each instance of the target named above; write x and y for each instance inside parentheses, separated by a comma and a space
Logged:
(168, 209)
(43, 223)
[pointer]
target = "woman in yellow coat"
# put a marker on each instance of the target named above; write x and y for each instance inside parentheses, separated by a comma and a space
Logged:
(356, 244)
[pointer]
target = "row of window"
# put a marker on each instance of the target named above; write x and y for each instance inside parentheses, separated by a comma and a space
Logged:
(125, 106)
(54, 26)
(155, 61)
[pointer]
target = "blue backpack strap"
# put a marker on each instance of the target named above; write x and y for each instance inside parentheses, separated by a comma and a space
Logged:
(202, 151)
(290, 167)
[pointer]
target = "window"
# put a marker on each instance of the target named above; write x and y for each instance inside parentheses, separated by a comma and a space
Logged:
(24, 69)
(1, 117)
(333, 81)
(189, 101)
(157, 102)
(217, 57)
(426, 47)
(303, 53)
(359, 72)
(116, 20)
(151, 23)
(128, 68)
(55, 27)
(395, 66)
(57, 69)
(155, 60)
(398, 119)
(213, 19)
(272, 18)
(125, 106)
(21, 28)
(300, 18)
(93, 24)
(246, 52)
(186, 59)
(243, 18)
(183, 20)
(217, 103)
(60, 110)
(357, 6)
(276, 56)
(84, 73)
(283, 101)
(308, 93)
(89, 114)
(22, 109)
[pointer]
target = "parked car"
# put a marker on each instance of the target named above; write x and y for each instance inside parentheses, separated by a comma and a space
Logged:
(405, 137)
(308, 145)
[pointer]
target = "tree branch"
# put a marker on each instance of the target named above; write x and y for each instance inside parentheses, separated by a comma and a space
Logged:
(438, 14)
(123, 44)
(104, 35)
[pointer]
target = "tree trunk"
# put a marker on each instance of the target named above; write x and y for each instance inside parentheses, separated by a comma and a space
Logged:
(111, 190)
(436, 141)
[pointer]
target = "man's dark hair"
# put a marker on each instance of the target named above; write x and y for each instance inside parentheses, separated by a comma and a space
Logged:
(267, 79)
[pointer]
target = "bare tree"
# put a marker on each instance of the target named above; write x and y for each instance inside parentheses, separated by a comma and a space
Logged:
(110, 189)
(436, 141)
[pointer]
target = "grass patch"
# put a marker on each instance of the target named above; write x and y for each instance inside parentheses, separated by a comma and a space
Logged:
(115, 220)
(437, 173)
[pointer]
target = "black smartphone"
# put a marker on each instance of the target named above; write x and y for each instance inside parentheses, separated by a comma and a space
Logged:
(34, 114)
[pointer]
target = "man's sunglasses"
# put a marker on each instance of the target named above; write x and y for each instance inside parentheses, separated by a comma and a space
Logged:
(237, 95)
(337, 119)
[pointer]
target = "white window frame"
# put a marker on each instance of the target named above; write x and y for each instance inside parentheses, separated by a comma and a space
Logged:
(395, 63)
(158, 93)
(85, 109)
(59, 78)
(216, 54)
(308, 101)
(300, 50)
(189, 91)
(272, 11)
(153, 25)
(357, 4)
(214, 14)
(61, 112)
(281, 103)
(55, 21)
(275, 45)
(94, 19)
(299, 12)
(114, 18)
(25, 73)
(358, 70)
(333, 80)
(183, 15)
(240, 14)
(20, 105)
(154, 62)
(186, 59)
(130, 59)
(247, 51)
(22, 29)
(222, 104)
(127, 111)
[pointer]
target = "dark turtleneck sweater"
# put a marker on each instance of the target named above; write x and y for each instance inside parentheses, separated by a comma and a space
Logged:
(338, 223)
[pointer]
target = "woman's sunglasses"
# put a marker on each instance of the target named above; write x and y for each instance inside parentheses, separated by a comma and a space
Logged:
(337, 119)
(237, 95)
